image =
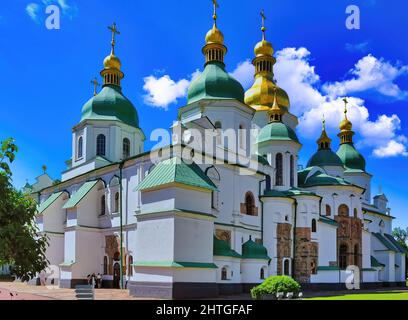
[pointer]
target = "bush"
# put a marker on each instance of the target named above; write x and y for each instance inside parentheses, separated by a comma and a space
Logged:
(275, 284)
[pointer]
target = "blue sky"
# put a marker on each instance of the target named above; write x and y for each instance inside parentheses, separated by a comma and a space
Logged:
(47, 73)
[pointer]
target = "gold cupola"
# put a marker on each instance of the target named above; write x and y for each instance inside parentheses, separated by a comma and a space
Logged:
(346, 134)
(214, 48)
(261, 95)
(324, 142)
(276, 112)
(111, 74)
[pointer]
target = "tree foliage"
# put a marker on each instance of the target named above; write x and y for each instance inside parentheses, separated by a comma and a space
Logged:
(401, 235)
(21, 245)
(275, 284)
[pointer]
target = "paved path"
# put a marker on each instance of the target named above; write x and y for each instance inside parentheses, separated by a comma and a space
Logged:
(22, 291)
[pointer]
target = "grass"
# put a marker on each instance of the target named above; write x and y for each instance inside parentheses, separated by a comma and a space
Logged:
(386, 295)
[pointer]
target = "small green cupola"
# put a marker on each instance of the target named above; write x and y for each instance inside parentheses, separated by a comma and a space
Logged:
(253, 250)
(222, 248)
(348, 154)
(324, 155)
(110, 103)
(276, 129)
(215, 82)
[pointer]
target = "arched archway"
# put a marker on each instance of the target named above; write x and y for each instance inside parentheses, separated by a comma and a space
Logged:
(343, 210)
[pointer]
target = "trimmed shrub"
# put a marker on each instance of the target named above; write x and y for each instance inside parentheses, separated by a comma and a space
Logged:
(275, 284)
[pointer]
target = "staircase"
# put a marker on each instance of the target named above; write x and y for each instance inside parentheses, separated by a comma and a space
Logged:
(84, 292)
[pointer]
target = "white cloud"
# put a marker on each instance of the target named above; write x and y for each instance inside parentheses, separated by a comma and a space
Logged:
(357, 47)
(244, 73)
(392, 149)
(373, 74)
(32, 10)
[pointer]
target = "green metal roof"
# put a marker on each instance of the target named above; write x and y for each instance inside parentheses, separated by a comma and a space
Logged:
(253, 250)
(223, 249)
(43, 206)
(396, 243)
(328, 268)
(277, 131)
(350, 157)
(175, 170)
(375, 263)
(288, 193)
(325, 157)
(328, 221)
(261, 160)
(322, 179)
(80, 194)
(215, 83)
(110, 104)
(387, 243)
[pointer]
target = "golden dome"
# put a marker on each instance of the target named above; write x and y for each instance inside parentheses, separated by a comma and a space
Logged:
(261, 95)
(346, 125)
(214, 36)
(264, 48)
(112, 62)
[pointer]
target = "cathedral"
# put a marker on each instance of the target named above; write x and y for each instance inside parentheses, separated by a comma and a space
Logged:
(192, 220)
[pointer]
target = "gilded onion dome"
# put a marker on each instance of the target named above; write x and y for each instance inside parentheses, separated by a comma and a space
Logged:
(215, 82)
(261, 95)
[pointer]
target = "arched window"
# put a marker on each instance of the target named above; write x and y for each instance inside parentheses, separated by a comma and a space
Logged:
(262, 274)
(126, 148)
(355, 213)
(241, 135)
(279, 169)
(314, 225)
(80, 147)
(328, 210)
(249, 204)
(286, 267)
(356, 255)
(103, 205)
(105, 265)
(224, 273)
(116, 202)
(101, 145)
(343, 256)
(218, 131)
(130, 267)
(292, 171)
(344, 210)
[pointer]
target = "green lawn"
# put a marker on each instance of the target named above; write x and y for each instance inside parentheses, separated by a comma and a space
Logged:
(388, 295)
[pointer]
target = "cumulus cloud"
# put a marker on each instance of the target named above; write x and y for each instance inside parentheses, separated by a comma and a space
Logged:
(36, 10)
(392, 149)
(371, 74)
(244, 73)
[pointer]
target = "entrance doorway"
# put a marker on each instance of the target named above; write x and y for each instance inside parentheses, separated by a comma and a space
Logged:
(116, 275)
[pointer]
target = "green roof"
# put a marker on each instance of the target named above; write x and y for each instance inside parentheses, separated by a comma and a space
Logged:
(350, 157)
(215, 83)
(50, 200)
(288, 193)
(324, 157)
(253, 250)
(322, 179)
(277, 131)
(386, 242)
(396, 243)
(328, 268)
(80, 194)
(223, 249)
(261, 160)
(328, 221)
(375, 263)
(175, 170)
(110, 104)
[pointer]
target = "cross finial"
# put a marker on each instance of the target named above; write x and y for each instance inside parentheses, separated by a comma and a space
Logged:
(345, 106)
(263, 24)
(324, 122)
(113, 28)
(216, 5)
(96, 85)
(44, 168)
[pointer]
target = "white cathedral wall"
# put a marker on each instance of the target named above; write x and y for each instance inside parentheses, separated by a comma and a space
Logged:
(374, 226)
(233, 266)
(326, 276)
(88, 252)
(70, 246)
(366, 250)
(363, 180)
(251, 270)
(88, 209)
(55, 249)
(54, 215)
(327, 238)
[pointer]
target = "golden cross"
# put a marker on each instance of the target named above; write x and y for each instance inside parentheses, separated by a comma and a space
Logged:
(115, 31)
(96, 85)
(44, 167)
(263, 24)
(345, 106)
(216, 5)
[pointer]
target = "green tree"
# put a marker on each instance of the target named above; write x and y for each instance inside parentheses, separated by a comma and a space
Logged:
(21, 245)
(401, 235)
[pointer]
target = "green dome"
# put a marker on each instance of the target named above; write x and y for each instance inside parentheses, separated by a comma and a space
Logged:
(253, 250)
(110, 104)
(324, 157)
(276, 131)
(322, 179)
(350, 157)
(222, 248)
(215, 83)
